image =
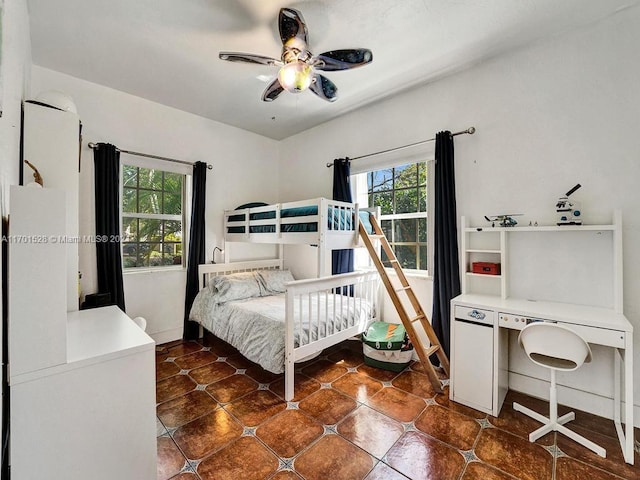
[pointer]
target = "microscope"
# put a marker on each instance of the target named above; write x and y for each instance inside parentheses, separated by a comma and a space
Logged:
(568, 211)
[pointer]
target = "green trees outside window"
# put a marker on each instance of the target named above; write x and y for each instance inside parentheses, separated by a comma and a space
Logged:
(401, 194)
(152, 217)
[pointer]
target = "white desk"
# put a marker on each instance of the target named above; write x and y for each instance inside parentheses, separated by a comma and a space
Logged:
(94, 415)
(598, 326)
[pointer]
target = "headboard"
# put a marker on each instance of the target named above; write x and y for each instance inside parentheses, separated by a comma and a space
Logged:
(208, 270)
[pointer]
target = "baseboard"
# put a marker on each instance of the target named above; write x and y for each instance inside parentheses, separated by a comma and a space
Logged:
(571, 397)
(166, 336)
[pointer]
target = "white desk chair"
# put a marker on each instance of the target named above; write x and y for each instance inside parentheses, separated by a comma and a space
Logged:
(557, 348)
(141, 322)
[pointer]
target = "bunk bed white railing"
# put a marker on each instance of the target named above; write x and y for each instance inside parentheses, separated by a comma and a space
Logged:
(318, 312)
(327, 224)
(316, 221)
(325, 305)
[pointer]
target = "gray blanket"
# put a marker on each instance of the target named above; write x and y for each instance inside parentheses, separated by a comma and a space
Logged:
(256, 327)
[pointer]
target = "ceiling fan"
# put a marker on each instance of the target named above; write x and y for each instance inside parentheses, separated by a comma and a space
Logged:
(298, 66)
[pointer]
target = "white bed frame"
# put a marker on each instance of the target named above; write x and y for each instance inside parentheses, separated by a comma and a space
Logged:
(329, 236)
(365, 286)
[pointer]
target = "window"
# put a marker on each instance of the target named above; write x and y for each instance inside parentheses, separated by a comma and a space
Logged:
(401, 194)
(152, 217)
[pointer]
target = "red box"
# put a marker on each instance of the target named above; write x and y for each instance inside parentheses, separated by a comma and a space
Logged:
(486, 268)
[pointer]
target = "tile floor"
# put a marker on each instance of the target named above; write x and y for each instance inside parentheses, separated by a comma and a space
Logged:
(223, 417)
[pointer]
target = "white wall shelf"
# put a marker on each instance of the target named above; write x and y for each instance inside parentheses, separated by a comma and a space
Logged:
(483, 275)
(542, 228)
(509, 246)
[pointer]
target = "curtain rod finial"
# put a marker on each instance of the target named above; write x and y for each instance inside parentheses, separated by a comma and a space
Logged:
(471, 130)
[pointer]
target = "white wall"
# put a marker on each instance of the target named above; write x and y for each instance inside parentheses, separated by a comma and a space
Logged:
(244, 169)
(15, 75)
(549, 116)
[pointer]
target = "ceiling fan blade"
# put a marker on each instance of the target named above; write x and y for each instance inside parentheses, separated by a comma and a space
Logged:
(343, 59)
(293, 29)
(324, 88)
(272, 91)
(249, 58)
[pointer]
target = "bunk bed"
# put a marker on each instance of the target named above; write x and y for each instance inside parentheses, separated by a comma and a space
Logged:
(327, 224)
(276, 321)
(262, 311)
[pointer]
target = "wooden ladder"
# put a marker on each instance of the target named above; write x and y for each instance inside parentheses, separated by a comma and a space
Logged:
(407, 320)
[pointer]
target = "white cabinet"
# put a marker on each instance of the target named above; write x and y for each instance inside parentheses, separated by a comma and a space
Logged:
(93, 416)
(37, 272)
(51, 143)
(472, 362)
(82, 383)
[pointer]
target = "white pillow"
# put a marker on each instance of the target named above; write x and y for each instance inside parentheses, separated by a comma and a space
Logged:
(274, 281)
(236, 286)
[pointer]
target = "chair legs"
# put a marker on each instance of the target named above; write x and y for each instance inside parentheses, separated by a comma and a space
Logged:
(553, 423)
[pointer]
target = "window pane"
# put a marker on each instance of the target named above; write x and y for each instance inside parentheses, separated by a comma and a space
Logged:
(405, 230)
(151, 254)
(422, 199)
(172, 182)
(129, 176)
(150, 178)
(129, 255)
(144, 251)
(422, 250)
(385, 259)
(407, 200)
(129, 229)
(384, 201)
(148, 201)
(150, 230)
(406, 176)
(386, 226)
(173, 253)
(172, 204)
(422, 229)
(382, 180)
(407, 255)
(172, 231)
(129, 200)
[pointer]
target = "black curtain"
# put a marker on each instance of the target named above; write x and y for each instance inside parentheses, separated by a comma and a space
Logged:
(196, 245)
(106, 160)
(446, 272)
(342, 260)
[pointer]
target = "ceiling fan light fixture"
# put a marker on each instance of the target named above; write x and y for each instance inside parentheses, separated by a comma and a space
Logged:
(295, 76)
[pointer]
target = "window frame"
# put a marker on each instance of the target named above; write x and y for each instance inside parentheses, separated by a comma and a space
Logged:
(359, 182)
(182, 217)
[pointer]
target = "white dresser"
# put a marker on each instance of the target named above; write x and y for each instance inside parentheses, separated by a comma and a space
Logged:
(93, 416)
(82, 383)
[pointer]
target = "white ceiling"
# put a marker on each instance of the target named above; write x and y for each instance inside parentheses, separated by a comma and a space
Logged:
(167, 50)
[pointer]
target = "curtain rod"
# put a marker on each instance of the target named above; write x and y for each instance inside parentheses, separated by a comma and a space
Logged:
(93, 146)
(470, 131)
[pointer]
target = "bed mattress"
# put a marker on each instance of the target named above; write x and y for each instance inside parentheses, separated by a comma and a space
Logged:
(256, 326)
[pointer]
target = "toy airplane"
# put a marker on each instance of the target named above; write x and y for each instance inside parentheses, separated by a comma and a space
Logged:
(504, 220)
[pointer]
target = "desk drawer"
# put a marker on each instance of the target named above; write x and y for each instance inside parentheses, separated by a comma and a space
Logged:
(599, 336)
(475, 315)
(595, 335)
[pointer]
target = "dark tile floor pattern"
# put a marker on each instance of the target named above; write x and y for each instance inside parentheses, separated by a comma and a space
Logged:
(223, 417)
